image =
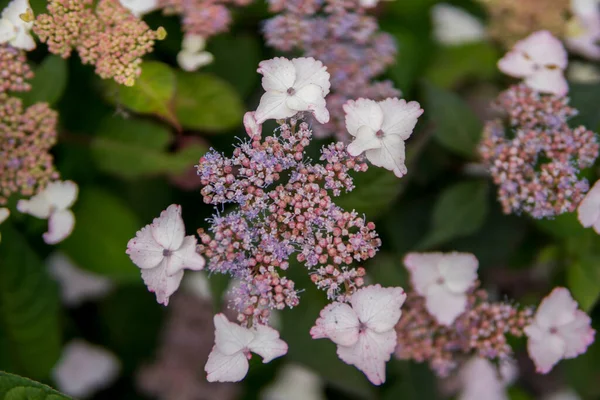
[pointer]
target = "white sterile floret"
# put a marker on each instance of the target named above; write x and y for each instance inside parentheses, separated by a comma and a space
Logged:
(454, 26)
(443, 280)
(364, 329)
(583, 30)
(4, 214)
(53, 203)
(140, 7)
(76, 285)
(291, 86)
(228, 360)
(84, 369)
(253, 128)
(294, 382)
(589, 208)
(540, 59)
(480, 379)
(162, 251)
(15, 25)
(192, 55)
(558, 331)
(380, 129)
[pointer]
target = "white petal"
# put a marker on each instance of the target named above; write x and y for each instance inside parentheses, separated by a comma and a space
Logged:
(13, 12)
(144, 250)
(278, 74)
(378, 307)
(83, 369)
(444, 305)
(399, 117)
(548, 81)
(305, 97)
(38, 206)
(158, 282)
(192, 42)
(362, 112)
(459, 271)
(390, 156)
(310, 71)
(544, 49)
(192, 61)
(578, 335)
(480, 380)
(516, 64)
(320, 112)
(556, 309)
(294, 382)
(455, 26)
(423, 269)
(252, 127)
(7, 31)
(338, 322)
(226, 368)
(60, 226)
(546, 353)
(23, 40)
(4, 214)
(185, 257)
(230, 338)
(365, 140)
(370, 354)
(273, 106)
(61, 195)
(168, 230)
(267, 344)
(588, 211)
(140, 7)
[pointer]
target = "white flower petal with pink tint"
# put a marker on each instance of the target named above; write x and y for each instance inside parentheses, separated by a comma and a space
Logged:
(480, 379)
(455, 26)
(294, 382)
(541, 60)
(162, 251)
(583, 30)
(291, 87)
(253, 128)
(589, 208)
(228, 360)
(140, 7)
(558, 331)
(443, 280)
(53, 203)
(15, 25)
(380, 129)
(84, 369)
(364, 332)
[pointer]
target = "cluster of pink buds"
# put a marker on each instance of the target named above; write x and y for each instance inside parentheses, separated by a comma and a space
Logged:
(14, 71)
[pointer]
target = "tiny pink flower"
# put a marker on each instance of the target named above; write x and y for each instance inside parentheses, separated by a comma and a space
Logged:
(364, 329)
(293, 86)
(228, 360)
(443, 280)
(589, 208)
(558, 331)
(380, 129)
(540, 59)
(162, 251)
(253, 128)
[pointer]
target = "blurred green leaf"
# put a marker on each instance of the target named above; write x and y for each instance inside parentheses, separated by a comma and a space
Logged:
(29, 307)
(13, 387)
(456, 126)
(515, 393)
(585, 98)
(583, 279)
(132, 148)
(413, 52)
(103, 227)
(459, 211)
(152, 92)
(562, 226)
(49, 82)
(206, 102)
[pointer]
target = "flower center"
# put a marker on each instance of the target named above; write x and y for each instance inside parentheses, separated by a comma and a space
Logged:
(440, 281)
(362, 327)
(167, 252)
(291, 91)
(379, 134)
(553, 331)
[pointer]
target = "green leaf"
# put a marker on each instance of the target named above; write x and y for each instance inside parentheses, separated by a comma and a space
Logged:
(151, 94)
(133, 148)
(585, 98)
(583, 279)
(459, 211)
(412, 55)
(13, 387)
(29, 307)
(49, 82)
(206, 102)
(103, 227)
(456, 126)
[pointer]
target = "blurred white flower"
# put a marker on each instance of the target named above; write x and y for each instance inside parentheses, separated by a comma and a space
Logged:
(583, 72)
(15, 25)
(480, 379)
(53, 203)
(76, 285)
(588, 211)
(294, 382)
(454, 26)
(192, 55)
(83, 369)
(4, 214)
(197, 283)
(564, 394)
(370, 3)
(583, 30)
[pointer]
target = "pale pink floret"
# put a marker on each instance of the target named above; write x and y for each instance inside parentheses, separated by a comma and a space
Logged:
(540, 59)
(253, 128)
(589, 208)
(558, 331)
(364, 329)
(162, 251)
(228, 360)
(380, 129)
(443, 280)
(292, 86)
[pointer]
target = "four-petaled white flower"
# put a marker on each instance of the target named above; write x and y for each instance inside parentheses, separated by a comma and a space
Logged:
(294, 382)
(253, 128)
(369, 3)
(589, 208)
(558, 331)
(162, 251)
(293, 86)
(480, 379)
(540, 59)
(454, 26)
(380, 129)
(192, 55)
(443, 280)
(140, 7)
(4, 214)
(583, 30)
(228, 360)
(364, 329)
(15, 24)
(84, 369)
(53, 203)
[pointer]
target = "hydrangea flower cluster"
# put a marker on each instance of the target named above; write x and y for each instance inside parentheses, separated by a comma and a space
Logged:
(14, 70)
(106, 35)
(346, 40)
